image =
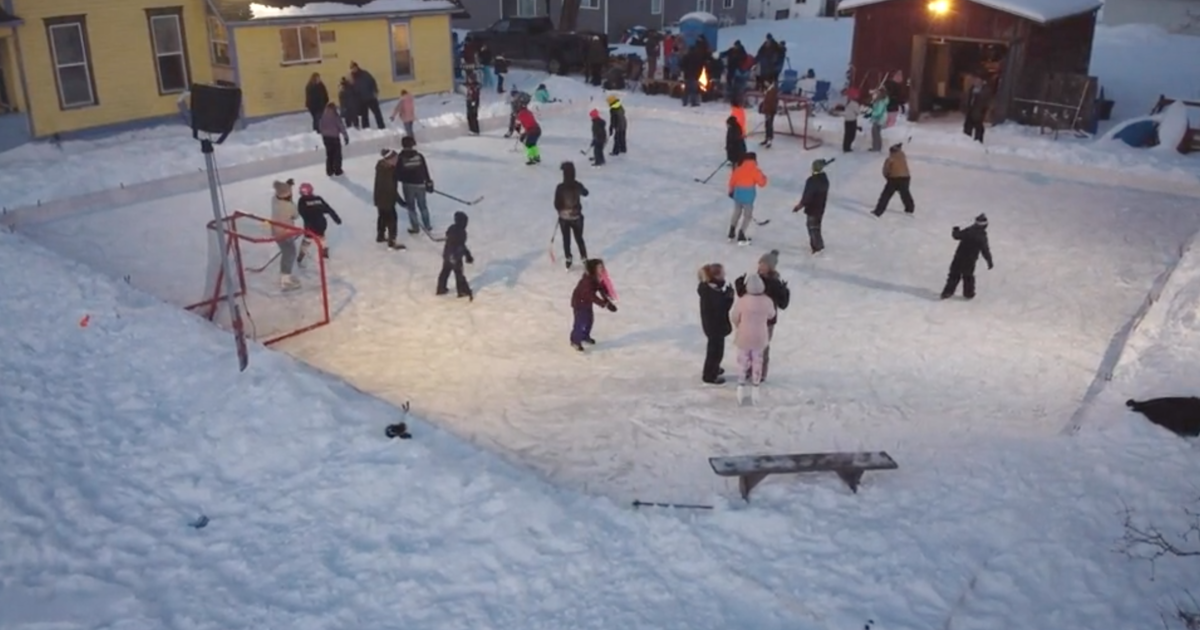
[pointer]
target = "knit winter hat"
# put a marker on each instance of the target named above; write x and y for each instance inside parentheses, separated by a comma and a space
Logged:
(981, 220)
(387, 154)
(896, 147)
(595, 113)
(611, 98)
(770, 259)
(754, 284)
(818, 166)
(282, 189)
(408, 142)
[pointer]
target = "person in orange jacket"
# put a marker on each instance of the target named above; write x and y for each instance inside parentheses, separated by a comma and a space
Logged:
(744, 182)
(737, 111)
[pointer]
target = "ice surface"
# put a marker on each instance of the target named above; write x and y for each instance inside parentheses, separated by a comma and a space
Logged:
(336, 9)
(1037, 10)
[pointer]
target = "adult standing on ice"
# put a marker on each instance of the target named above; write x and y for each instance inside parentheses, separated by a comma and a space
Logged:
(978, 103)
(744, 182)
(775, 288)
(972, 242)
(896, 180)
(412, 171)
(283, 216)
(812, 202)
(316, 97)
(406, 109)
(333, 136)
(473, 89)
(386, 199)
(768, 108)
(454, 254)
(750, 317)
(716, 300)
(568, 201)
(850, 115)
(366, 90)
(589, 292)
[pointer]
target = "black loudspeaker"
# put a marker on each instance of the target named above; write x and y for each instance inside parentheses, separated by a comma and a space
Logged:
(215, 109)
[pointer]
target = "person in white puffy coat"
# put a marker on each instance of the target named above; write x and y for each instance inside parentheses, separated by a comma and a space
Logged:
(284, 213)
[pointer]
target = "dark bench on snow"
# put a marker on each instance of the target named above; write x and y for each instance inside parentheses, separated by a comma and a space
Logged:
(752, 469)
(1178, 415)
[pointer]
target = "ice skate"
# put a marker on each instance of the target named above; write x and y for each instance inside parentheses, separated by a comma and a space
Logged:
(741, 394)
(569, 262)
(732, 233)
(741, 238)
(754, 395)
(288, 283)
(578, 347)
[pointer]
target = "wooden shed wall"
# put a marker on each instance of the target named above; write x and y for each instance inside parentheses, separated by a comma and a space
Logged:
(1062, 46)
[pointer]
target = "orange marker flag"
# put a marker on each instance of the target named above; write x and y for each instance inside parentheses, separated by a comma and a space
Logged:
(83, 323)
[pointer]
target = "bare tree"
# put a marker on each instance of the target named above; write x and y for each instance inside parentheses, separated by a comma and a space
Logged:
(1148, 542)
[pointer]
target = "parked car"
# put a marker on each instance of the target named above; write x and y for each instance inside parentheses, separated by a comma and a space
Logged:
(537, 41)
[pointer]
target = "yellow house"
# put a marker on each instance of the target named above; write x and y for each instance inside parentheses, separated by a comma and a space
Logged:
(69, 65)
(271, 53)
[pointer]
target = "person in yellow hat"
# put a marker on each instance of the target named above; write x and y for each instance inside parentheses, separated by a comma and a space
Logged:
(617, 124)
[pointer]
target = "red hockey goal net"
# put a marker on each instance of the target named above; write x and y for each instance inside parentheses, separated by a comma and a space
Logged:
(271, 311)
(794, 119)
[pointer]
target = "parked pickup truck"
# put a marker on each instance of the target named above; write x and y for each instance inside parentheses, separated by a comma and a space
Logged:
(537, 41)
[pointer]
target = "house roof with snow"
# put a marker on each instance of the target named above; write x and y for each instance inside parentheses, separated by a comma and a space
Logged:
(301, 10)
(1040, 11)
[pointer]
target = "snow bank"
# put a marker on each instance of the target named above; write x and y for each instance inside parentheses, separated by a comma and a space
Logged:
(1173, 128)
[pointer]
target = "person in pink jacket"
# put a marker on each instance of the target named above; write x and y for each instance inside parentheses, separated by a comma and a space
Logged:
(751, 336)
(406, 109)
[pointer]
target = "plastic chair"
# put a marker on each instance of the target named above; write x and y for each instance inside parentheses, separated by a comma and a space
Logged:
(820, 97)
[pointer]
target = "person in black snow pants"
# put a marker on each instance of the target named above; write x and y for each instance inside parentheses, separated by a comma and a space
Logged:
(617, 124)
(473, 89)
(412, 172)
(348, 103)
(501, 70)
(568, 201)
(366, 90)
(716, 300)
(454, 254)
(312, 210)
(812, 202)
(599, 138)
(386, 199)
(897, 180)
(776, 289)
(735, 142)
(972, 242)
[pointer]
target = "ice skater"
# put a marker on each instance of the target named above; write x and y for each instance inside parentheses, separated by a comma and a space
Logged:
(972, 242)
(716, 300)
(589, 292)
(896, 180)
(454, 254)
(473, 89)
(333, 136)
(735, 142)
(618, 124)
(599, 138)
(412, 172)
(744, 182)
(568, 201)
(283, 216)
(531, 132)
(386, 199)
(812, 202)
(313, 210)
(750, 315)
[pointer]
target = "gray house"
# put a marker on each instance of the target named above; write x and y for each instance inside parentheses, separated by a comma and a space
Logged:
(613, 17)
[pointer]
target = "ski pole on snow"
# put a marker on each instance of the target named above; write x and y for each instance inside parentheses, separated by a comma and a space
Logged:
(462, 201)
(712, 174)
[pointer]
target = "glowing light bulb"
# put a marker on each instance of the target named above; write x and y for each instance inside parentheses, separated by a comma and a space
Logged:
(939, 7)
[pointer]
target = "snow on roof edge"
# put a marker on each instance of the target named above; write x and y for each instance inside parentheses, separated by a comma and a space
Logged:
(1041, 11)
(260, 11)
(703, 16)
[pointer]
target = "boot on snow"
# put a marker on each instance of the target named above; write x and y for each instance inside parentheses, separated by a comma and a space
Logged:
(396, 246)
(569, 262)
(732, 233)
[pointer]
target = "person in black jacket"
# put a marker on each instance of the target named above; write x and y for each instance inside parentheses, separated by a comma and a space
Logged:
(501, 70)
(972, 242)
(386, 199)
(716, 300)
(569, 204)
(413, 174)
(735, 142)
(348, 104)
(366, 91)
(599, 138)
(692, 65)
(454, 254)
(473, 88)
(776, 289)
(812, 202)
(617, 124)
(313, 210)
(316, 97)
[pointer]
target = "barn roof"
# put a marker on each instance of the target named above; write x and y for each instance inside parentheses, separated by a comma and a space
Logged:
(1041, 11)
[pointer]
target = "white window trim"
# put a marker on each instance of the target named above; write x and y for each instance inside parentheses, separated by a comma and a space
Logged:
(412, 62)
(704, 5)
(182, 54)
(656, 7)
(591, 5)
(522, 14)
(87, 56)
(727, 4)
(300, 47)
(213, 41)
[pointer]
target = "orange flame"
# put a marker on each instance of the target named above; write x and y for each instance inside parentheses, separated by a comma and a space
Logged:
(704, 79)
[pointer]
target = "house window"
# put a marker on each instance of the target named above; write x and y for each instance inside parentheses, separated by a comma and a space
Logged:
(402, 61)
(656, 7)
(72, 61)
(218, 42)
(727, 4)
(170, 56)
(704, 5)
(589, 4)
(527, 8)
(301, 44)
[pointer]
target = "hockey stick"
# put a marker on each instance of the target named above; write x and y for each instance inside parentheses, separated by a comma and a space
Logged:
(462, 201)
(265, 265)
(682, 506)
(553, 237)
(711, 175)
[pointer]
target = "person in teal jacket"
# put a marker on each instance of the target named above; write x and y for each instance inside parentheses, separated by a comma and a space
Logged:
(542, 95)
(878, 116)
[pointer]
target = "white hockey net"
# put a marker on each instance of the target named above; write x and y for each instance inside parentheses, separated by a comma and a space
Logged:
(270, 312)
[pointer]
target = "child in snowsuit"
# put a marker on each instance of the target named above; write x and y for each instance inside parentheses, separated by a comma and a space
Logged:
(569, 204)
(812, 202)
(716, 300)
(617, 124)
(313, 210)
(972, 242)
(878, 119)
(599, 138)
(776, 288)
(735, 142)
(283, 216)
(750, 316)
(454, 254)
(530, 132)
(588, 292)
(897, 178)
(744, 182)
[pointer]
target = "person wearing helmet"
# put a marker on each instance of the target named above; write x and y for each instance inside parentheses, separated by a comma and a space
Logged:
(599, 138)
(313, 210)
(812, 202)
(617, 124)
(517, 100)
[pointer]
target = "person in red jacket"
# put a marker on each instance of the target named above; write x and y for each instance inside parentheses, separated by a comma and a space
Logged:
(530, 132)
(590, 291)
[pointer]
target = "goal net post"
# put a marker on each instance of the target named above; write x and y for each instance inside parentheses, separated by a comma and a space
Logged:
(794, 118)
(271, 313)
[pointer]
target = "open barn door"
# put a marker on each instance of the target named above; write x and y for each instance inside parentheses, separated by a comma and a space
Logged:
(1010, 78)
(916, 77)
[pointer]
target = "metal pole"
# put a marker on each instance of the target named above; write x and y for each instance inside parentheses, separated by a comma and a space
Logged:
(239, 331)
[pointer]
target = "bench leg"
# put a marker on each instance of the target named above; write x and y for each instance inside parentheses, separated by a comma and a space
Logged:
(851, 477)
(747, 482)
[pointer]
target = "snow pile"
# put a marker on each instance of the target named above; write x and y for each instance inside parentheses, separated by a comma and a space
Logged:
(1137, 63)
(1173, 128)
(338, 9)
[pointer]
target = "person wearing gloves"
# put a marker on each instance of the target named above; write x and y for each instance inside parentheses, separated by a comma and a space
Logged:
(333, 135)
(735, 142)
(454, 254)
(972, 242)
(744, 182)
(850, 115)
(386, 199)
(568, 202)
(716, 300)
(775, 288)
(599, 138)
(896, 180)
(412, 171)
(812, 202)
(589, 292)
(750, 316)
(283, 216)
(313, 210)
(617, 124)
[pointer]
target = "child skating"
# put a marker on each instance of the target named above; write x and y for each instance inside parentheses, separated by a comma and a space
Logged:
(599, 138)
(589, 292)
(530, 133)
(283, 216)
(750, 316)
(744, 182)
(313, 210)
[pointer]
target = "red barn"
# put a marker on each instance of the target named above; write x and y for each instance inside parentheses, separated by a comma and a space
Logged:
(1016, 44)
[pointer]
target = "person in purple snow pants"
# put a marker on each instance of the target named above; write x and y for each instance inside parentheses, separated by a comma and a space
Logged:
(588, 293)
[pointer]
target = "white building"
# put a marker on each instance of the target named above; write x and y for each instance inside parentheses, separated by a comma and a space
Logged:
(1177, 16)
(789, 9)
